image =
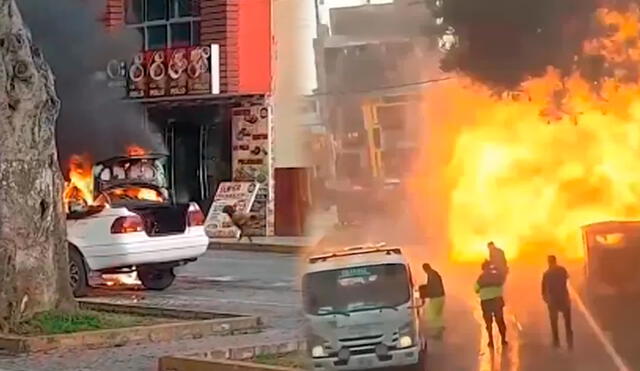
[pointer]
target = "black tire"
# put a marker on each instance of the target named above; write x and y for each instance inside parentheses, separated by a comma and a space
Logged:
(77, 273)
(154, 278)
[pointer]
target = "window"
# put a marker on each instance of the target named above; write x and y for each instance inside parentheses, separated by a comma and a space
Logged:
(165, 23)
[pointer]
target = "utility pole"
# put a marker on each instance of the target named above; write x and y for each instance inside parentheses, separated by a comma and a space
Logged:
(317, 8)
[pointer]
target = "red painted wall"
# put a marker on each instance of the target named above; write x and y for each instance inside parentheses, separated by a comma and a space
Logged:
(242, 28)
(255, 46)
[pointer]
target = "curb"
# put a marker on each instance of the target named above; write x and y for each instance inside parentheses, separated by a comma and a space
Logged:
(232, 359)
(190, 325)
(258, 247)
(199, 364)
(248, 352)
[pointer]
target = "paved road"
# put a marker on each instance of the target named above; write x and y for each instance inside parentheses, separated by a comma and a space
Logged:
(229, 281)
(464, 345)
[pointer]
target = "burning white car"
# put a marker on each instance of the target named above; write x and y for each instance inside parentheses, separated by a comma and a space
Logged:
(121, 219)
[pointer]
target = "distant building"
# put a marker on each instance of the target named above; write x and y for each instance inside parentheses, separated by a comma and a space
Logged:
(373, 53)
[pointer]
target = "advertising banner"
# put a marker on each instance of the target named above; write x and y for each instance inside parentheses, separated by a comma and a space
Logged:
(172, 72)
(251, 158)
(157, 70)
(240, 195)
(137, 77)
(178, 62)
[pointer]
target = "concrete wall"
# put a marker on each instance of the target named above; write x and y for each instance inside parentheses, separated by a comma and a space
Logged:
(292, 56)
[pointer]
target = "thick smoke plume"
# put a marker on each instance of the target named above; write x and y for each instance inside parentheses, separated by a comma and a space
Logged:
(93, 119)
(503, 42)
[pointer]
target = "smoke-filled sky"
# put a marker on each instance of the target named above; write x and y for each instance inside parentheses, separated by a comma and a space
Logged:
(93, 119)
(505, 41)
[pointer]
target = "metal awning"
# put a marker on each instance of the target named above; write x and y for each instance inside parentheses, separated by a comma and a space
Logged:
(197, 100)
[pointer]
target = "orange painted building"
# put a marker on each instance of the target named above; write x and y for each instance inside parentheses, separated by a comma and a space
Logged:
(204, 71)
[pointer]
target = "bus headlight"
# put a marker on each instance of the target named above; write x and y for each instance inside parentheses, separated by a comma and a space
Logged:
(405, 342)
(318, 351)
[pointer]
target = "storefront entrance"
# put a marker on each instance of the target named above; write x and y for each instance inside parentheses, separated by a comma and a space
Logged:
(184, 140)
(198, 141)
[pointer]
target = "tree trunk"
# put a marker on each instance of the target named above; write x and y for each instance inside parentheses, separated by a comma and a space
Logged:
(33, 250)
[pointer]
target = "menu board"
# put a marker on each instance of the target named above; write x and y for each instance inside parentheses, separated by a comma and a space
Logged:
(251, 156)
(241, 196)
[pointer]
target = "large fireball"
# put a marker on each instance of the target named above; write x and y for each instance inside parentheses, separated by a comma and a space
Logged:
(528, 170)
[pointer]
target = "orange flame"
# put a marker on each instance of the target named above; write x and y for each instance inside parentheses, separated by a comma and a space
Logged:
(140, 193)
(530, 186)
(79, 188)
(134, 150)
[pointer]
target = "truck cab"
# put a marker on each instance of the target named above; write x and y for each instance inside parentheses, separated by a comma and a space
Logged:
(362, 310)
(612, 258)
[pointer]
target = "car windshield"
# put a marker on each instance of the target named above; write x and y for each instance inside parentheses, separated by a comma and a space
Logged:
(343, 291)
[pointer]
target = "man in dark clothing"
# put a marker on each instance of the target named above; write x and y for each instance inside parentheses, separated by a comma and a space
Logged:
(434, 291)
(489, 288)
(498, 259)
(556, 295)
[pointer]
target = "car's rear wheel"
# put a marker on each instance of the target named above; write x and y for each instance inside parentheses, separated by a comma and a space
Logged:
(156, 278)
(77, 273)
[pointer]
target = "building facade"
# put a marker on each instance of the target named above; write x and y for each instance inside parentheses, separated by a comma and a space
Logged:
(205, 76)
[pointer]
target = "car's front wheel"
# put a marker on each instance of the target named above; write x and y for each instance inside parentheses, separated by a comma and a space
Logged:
(156, 278)
(77, 273)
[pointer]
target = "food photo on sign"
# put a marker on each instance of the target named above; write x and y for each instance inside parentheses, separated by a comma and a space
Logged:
(157, 73)
(177, 71)
(250, 144)
(137, 77)
(199, 70)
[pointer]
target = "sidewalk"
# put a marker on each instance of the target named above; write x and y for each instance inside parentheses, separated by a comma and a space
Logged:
(318, 225)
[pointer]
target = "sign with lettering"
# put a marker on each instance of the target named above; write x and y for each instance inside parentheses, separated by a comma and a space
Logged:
(251, 154)
(355, 272)
(171, 72)
(241, 196)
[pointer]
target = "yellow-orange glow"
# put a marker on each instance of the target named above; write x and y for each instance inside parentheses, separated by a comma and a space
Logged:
(139, 193)
(528, 170)
(79, 188)
(135, 150)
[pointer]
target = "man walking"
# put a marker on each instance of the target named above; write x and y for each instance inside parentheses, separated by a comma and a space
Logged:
(434, 291)
(489, 288)
(556, 295)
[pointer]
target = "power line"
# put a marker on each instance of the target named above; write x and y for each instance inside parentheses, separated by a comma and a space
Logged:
(385, 88)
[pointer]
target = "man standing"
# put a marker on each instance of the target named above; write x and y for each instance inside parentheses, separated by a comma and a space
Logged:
(498, 259)
(556, 295)
(434, 291)
(489, 288)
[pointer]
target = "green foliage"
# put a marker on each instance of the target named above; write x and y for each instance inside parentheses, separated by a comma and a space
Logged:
(54, 322)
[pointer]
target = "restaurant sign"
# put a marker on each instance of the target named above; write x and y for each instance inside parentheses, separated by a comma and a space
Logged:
(168, 72)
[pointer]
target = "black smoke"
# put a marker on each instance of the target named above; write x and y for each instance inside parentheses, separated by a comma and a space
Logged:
(503, 42)
(93, 118)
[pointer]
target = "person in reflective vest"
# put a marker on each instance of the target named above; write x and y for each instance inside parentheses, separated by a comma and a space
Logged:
(434, 291)
(489, 288)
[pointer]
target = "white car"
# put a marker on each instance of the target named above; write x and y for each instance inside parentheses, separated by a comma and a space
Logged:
(132, 225)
